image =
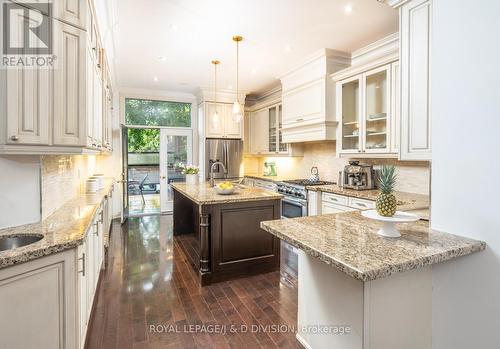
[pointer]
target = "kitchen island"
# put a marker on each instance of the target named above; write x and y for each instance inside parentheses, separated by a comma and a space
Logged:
(361, 290)
(221, 234)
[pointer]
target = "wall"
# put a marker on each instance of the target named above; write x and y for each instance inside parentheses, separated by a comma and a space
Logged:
(414, 177)
(19, 190)
(465, 170)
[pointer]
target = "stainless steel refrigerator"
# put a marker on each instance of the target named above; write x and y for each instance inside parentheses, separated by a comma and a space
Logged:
(227, 151)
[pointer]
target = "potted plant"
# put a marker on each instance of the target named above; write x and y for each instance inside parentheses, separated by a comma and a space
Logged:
(191, 172)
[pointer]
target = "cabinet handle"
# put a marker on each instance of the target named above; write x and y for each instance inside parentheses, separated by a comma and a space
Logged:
(102, 216)
(14, 138)
(361, 204)
(96, 229)
(82, 258)
(301, 119)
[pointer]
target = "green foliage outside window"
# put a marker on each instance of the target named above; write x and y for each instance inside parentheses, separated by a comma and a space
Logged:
(143, 140)
(157, 113)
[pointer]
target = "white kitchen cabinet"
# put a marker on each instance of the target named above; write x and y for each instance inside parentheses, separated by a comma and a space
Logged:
(97, 119)
(336, 203)
(69, 85)
(28, 107)
(266, 133)
(83, 289)
(232, 129)
(259, 128)
(395, 107)
(38, 303)
(223, 125)
(365, 106)
(309, 98)
(73, 12)
(415, 40)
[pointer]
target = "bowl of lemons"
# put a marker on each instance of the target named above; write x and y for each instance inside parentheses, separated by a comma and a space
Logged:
(225, 188)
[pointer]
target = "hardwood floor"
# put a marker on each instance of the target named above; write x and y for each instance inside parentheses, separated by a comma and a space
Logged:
(149, 298)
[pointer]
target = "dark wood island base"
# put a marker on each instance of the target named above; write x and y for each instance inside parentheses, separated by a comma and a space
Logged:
(223, 239)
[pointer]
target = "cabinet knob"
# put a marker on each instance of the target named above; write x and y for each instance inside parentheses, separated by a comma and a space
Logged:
(14, 138)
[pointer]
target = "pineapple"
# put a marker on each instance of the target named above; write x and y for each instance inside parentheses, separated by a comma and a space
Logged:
(386, 201)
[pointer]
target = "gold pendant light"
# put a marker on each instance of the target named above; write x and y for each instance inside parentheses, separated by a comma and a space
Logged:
(237, 107)
(215, 115)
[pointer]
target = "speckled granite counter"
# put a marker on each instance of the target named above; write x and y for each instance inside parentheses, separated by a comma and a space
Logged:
(349, 242)
(64, 229)
(406, 201)
(203, 194)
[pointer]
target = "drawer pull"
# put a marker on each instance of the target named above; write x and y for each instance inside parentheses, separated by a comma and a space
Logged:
(300, 119)
(14, 138)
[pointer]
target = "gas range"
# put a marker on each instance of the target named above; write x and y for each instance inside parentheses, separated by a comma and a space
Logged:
(297, 188)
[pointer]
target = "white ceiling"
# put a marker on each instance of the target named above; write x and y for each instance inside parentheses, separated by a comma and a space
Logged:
(190, 33)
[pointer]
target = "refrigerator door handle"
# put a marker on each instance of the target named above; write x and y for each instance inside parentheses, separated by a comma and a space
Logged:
(226, 158)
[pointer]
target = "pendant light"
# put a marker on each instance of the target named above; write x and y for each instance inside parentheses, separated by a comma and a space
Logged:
(237, 107)
(215, 115)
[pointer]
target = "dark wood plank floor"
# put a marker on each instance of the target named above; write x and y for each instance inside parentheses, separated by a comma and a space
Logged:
(149, 298)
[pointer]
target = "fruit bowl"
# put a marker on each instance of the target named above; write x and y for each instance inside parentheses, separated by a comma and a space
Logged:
(225, 188)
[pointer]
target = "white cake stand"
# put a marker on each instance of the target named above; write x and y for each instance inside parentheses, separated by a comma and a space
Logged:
(389, 227)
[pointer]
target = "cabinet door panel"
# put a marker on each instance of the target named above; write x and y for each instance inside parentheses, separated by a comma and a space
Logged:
(259, 124)
(71, 11)
(232, 128)
(29, 106)
(69, 85)
(415, 80)
(349, 108)
(396, 107)
(214, 126)
(304, 103)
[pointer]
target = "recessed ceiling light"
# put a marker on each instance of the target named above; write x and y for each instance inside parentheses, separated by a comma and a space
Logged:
(229, 87)
(162, 59)
(254, 71)
(155, 79)
(174, 27)
(288, 48)
(348, 8)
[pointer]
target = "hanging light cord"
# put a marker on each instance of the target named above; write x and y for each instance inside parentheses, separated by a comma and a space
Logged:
(237, 71)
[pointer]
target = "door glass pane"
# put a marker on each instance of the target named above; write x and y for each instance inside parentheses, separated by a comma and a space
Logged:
(283, 146)
(272, 129)
(177, 154)
(350, 115)
(376, 111)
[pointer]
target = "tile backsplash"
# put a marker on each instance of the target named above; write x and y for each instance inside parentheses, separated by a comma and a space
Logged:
(63, 178)
(413, 177)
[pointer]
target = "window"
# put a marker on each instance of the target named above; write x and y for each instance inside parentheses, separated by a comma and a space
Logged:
(145, 112)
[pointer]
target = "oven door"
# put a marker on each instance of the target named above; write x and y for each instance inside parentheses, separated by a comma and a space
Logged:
(293, 208)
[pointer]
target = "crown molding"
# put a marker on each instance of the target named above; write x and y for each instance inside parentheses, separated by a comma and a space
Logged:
(223, 96)
(396, 3)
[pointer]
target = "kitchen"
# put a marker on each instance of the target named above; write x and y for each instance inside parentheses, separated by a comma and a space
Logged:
(267, 182)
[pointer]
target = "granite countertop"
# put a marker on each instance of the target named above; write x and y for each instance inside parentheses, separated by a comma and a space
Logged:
(203, 194)
(349, 242)
(406, 201)
(65, 229)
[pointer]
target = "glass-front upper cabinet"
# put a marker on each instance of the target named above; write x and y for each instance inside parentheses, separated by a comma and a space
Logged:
(283, 147)
(349, 108)
(276, 144)
(273, 127)
(376, 116)
(364, 110)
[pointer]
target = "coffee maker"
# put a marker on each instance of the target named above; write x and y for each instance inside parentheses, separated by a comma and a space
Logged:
(358, 176)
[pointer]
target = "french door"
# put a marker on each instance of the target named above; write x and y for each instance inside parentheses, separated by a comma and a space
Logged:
(176, 148)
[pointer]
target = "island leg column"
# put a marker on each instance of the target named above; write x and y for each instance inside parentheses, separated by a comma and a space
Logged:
(204, 247)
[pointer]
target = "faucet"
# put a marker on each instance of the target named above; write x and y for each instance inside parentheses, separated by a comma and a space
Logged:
(212, 182)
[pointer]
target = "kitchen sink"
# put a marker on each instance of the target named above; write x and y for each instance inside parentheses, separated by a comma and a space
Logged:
(10, 242)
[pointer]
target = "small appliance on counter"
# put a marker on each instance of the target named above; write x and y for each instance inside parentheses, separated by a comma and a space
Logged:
(314, 177)
(358, 176)
(270, 168)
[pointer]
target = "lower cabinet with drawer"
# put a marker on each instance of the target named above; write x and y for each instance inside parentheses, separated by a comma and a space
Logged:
(335, 203)
(47, 302)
